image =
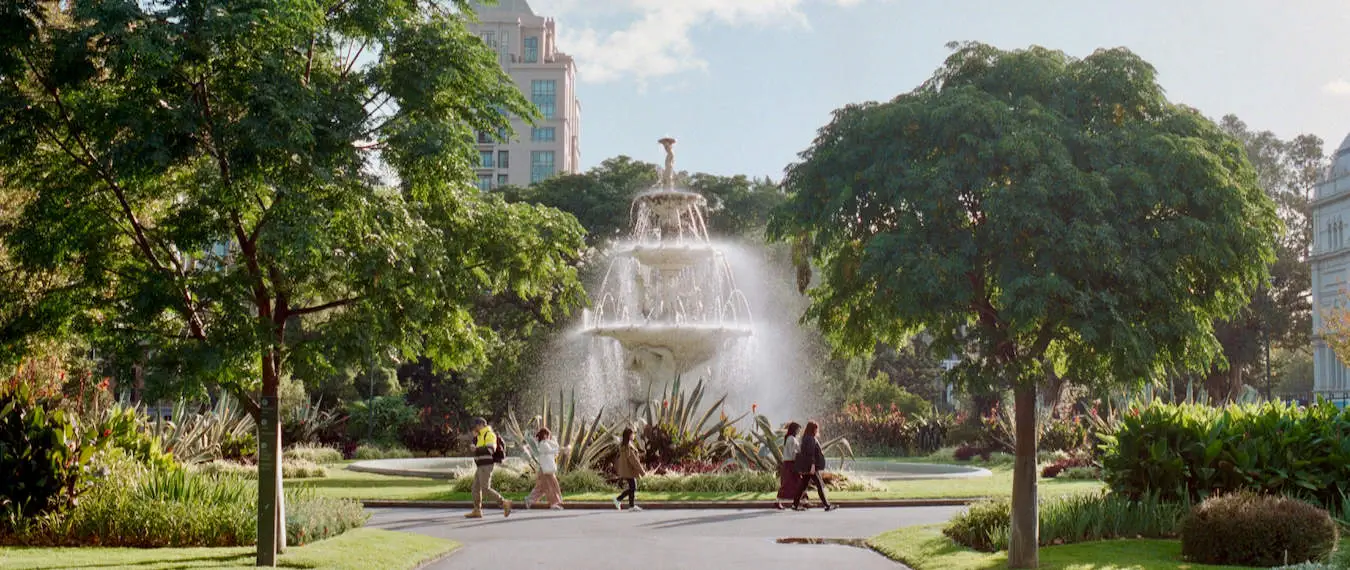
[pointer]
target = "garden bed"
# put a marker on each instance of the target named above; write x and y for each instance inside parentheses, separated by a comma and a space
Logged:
(355, 550)
(926, 548)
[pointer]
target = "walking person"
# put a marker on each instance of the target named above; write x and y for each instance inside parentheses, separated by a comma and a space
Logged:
(488, 451)
(810, 461)
(546, 485)
(629, 468)
(789, 482)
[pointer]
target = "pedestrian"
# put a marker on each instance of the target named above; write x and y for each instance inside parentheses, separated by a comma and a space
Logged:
(546, 485)
(629, 468)
(789, 482)
(488, 451)
(810, 461)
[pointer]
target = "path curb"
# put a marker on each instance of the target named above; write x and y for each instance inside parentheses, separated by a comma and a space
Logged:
(674, 505)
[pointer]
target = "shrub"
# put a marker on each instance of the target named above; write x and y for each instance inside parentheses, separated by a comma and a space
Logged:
(1257, 530)
(1083, 473)
(1063, 434)
(431, 433)
(239, 447)
(881, 392)
(380, 419)
(290, 469)
(965, 452)
(43, 459)
(1067, 462)
(311, 518)
(1196, 451)
(313, 454)
(985, 526)
(308, 423)
(381, 452)
(882, 430)
(128, 432)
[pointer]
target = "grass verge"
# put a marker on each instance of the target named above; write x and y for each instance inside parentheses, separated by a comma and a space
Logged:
(344, 483)
(925, 548)
(355, 550)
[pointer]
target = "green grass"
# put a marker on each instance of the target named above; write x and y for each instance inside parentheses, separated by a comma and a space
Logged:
(925, 548)
(342, 482)
(355, 550)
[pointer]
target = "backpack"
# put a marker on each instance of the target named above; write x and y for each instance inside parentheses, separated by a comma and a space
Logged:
(499, 454)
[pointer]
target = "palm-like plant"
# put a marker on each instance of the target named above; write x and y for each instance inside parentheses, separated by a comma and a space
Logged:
(585, 445)
(194, 437)
(764, 450)
(676, 427)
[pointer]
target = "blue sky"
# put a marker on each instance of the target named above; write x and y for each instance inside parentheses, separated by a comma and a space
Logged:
(744, 84)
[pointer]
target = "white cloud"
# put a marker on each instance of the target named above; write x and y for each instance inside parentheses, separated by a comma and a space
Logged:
(654, 38)
(1337, 87)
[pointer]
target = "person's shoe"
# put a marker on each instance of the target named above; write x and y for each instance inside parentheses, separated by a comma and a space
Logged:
(831, 507)
(635, 508)
(556, 508)
(778, 506)
(617, 505)
(506, 508)
(474, 514)
(798, 508)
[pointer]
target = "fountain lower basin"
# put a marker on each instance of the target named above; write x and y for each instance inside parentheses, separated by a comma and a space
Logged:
(666, 256)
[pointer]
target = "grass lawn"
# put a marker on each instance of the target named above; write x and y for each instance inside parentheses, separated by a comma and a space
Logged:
(925, 548)
(342, 482)
(355, 550)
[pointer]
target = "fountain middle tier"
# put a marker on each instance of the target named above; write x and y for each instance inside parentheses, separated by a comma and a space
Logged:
(682, 346)
(669, 256)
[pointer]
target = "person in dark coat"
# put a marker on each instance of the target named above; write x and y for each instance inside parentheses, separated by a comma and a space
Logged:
(809, 463)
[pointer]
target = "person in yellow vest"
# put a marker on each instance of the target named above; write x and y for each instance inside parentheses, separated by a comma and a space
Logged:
(487, 453)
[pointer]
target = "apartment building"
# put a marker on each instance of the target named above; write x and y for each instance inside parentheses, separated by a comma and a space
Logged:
(527, 49)
(1331, 269)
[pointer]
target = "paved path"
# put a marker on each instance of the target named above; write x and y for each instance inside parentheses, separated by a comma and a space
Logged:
(658, 539)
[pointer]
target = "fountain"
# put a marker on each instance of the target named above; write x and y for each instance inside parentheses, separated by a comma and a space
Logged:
(668, 302)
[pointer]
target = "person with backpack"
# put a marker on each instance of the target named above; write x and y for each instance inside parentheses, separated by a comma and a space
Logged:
(488, 451)
(628, 467)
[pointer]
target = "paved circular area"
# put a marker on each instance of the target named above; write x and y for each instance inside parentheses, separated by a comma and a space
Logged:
(658, 539)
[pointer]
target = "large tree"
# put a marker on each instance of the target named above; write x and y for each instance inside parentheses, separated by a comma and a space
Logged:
(1036, 213)
(203, 172)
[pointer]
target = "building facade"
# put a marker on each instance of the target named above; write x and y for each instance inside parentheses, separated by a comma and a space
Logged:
(1330, 262)
(527, 50)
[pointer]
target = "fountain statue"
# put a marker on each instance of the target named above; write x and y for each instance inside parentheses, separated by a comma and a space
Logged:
(668, 302)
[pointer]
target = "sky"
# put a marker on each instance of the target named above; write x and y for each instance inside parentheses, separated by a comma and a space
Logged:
(744, 84)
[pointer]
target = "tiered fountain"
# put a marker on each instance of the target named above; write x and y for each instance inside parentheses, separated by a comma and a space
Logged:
(668, 302)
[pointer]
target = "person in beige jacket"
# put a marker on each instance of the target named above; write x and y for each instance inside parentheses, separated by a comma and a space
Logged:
(629, 468)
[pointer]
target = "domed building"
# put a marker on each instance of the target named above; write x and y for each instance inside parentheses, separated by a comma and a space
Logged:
(1330, 262)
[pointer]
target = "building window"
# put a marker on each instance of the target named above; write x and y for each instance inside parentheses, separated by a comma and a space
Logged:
(490, 38)
(532, 49)
(505, 45)
(484, 159)
(501, 180)
(544, 94)
(542, 134)
(484, 138)
(484, 182)
(541, 165)
(503, 159)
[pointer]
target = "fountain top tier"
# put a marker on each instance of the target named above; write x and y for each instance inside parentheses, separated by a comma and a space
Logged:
(664, 214)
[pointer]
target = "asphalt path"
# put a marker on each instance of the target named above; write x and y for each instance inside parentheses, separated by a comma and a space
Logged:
(658, 539)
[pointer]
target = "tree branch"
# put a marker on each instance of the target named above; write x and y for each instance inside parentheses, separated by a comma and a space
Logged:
(323, 307)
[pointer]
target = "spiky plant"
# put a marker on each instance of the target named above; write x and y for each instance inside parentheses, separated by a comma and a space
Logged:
(770, 440)
(585, 444)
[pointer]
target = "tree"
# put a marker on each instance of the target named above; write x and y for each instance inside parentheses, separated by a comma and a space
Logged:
(599, 198)
(206, 170)
(738, 205)
(1048, 212)
(1281, 311)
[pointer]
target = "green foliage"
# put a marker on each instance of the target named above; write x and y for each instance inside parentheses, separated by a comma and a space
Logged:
(194, 436)
(880, 391)
(886, 430)
(308, 423)
(150, 508)
(43, 457)
(313, 454)
(599, 198)
(1257, 530)
(290, 469)
(381, 452)
(676, 429)
(299, 189)
(130, 433)
(586, 445)
(1070, 519)
(240, 448)
(1183, 450)
(379, 420)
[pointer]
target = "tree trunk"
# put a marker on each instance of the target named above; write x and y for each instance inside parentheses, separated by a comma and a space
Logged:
(1022, 541)
(270, 524)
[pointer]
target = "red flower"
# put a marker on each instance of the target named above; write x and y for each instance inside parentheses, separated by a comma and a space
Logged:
(107, 432)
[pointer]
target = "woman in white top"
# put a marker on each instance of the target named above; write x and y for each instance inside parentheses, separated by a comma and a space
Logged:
(789, 482)
(546, 486)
